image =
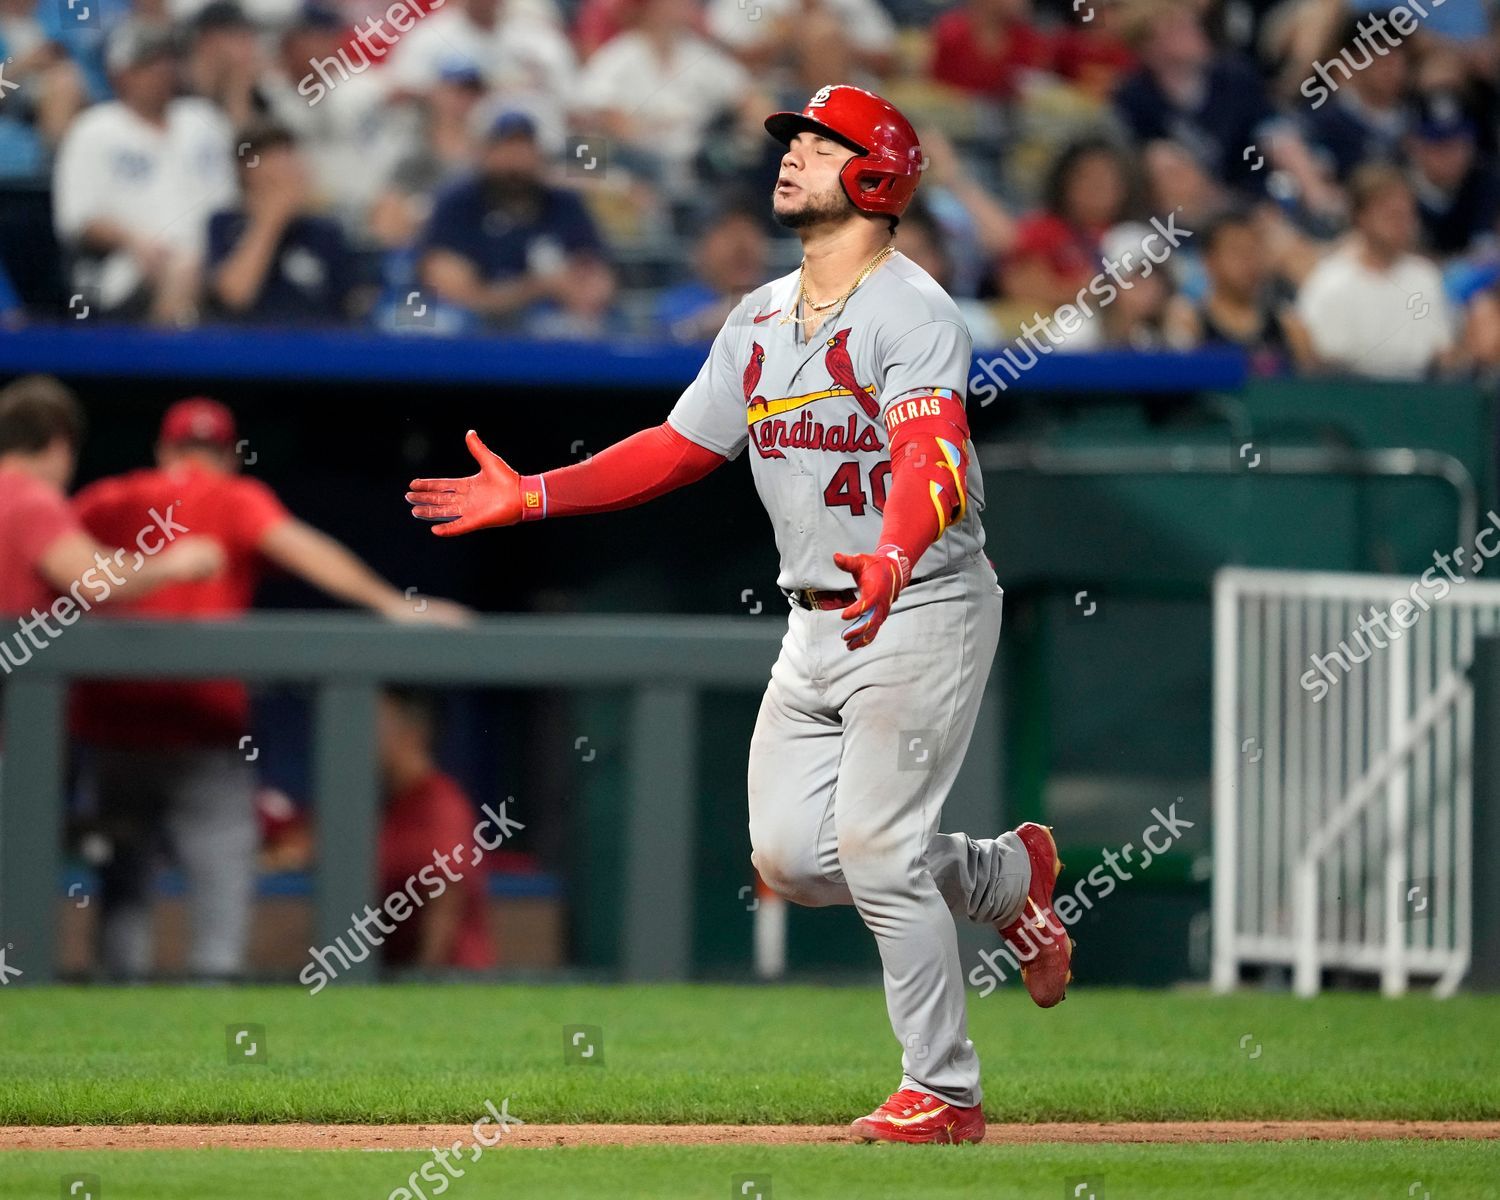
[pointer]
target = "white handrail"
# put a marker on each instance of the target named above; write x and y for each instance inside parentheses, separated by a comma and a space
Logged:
(1326, 806)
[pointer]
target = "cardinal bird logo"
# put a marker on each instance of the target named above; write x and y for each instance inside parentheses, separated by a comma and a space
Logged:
(753, 369)
(841, 371)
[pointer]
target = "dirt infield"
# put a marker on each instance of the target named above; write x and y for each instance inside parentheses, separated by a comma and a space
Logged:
(425, 1137)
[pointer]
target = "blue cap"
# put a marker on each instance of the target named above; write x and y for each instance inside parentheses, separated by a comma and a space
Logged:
(320, 14)
(512, 122)
(1441, 115)
(462, 70)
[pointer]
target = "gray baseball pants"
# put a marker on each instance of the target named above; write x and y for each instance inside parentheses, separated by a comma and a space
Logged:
(197, 806)
(852, 757)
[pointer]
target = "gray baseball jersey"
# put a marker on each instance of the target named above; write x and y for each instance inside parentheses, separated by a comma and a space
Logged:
(812, 409)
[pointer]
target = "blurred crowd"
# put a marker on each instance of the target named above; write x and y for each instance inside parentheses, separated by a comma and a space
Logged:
(566, 168)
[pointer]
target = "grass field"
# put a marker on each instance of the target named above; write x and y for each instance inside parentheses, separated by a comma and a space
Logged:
(800, 1055)
(745, 1055)
(1327, 1171)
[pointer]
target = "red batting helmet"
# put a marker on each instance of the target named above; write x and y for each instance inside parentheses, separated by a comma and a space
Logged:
(882, 176)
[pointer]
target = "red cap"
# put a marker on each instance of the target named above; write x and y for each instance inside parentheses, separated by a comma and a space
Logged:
(198, 419)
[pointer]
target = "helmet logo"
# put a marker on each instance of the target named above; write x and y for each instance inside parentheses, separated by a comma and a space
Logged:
(821, 96)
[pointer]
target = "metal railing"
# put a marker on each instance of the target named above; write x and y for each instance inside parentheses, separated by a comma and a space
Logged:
(1395, 462)
(665, 662)
(1343, 823)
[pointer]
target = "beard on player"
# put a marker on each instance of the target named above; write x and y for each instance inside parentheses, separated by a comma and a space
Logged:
(831, 206)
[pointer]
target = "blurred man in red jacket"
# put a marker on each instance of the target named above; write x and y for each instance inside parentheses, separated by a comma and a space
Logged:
(169, 760)
(427, 812)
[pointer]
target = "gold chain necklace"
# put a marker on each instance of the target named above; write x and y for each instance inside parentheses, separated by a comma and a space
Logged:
(817, 311)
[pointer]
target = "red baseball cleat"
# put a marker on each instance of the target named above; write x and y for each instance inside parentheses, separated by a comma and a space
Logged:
(1037, 937)
(911, 1116)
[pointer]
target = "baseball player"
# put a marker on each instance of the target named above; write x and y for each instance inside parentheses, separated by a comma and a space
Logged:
(846, 379)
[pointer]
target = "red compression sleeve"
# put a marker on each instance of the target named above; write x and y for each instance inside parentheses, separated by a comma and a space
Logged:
(639, 468)
(929, 440)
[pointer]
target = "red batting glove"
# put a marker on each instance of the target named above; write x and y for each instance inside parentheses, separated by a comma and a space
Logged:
(879, 578)
(491, 497)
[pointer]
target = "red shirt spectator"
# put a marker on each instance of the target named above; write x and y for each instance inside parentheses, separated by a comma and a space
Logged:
(34, 515)
(433, 815)
(238, 513)
(235, 510)
(1069, 252)
(195, 482)
(1094, 60)
(597, 21)
(984, 48)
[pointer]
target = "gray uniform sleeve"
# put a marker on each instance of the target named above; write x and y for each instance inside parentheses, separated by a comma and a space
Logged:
(711, 411)
(931, 356)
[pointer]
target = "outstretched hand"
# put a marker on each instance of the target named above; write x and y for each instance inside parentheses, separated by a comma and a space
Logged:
(879, 578)
(490, 497)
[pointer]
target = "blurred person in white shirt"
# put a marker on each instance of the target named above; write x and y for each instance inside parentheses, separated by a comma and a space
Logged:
(523, 56)
(224, 61)
(1373, 307)
(345, 132)
(654, 89)
(765, 33)
(135, 181)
